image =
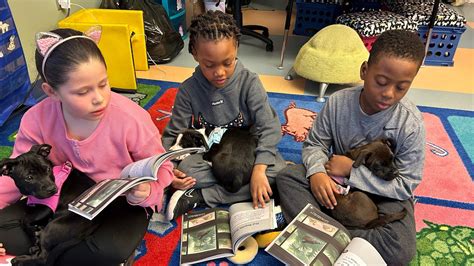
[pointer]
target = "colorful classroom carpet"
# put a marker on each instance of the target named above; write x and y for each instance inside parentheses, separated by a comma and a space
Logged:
(443, 213)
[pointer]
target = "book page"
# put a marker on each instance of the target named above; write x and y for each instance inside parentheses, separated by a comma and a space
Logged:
(91, 202)
(360, 252)
(149, 166)
(205, 236)
(245, 220)
(142, 167)
(312, 238)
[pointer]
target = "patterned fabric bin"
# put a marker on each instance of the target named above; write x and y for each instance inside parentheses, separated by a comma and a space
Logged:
(447, 31)
(362, 5)
(372, 23)
(311, 17)
(420, 11)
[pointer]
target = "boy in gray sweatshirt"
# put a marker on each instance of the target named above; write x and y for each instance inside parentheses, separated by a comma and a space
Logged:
(354, 117)
(221, 93)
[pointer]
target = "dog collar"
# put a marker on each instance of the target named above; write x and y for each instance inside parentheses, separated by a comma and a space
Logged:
(215, 136)
(60, 173)
(341, 184)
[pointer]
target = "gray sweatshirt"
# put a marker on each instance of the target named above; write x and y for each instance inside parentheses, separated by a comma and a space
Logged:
(243, 102)
(342, 125)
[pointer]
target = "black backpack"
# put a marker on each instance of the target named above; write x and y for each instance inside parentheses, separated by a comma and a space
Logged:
(163, 43)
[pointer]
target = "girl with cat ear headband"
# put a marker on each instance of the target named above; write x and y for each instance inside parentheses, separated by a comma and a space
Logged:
(100, 132)
(48, 42)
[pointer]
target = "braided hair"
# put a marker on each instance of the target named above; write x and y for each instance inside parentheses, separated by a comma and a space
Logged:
(212, 25)
(400, 44)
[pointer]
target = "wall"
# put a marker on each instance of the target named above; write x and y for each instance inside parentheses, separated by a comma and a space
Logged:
(32, 16)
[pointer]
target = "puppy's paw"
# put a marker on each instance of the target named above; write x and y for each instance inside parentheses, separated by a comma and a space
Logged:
(27, 260)
(22, 260)
(34, 250)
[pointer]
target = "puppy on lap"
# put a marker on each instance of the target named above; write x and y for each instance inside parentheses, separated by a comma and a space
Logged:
(231, 153)
(222, 93)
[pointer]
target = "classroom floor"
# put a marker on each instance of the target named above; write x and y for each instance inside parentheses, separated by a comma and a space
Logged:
(448, 87)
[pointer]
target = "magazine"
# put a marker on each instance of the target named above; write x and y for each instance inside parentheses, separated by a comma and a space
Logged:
(313, 238)
(218, 232)
(92, 201)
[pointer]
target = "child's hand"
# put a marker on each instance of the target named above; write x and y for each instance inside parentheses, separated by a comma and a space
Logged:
(259, 187)
(181, 181)
(339, 165)
(3, 251)
(323, 188)
(139, 193)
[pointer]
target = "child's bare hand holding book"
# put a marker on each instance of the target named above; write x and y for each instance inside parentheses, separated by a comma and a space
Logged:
(138, 193)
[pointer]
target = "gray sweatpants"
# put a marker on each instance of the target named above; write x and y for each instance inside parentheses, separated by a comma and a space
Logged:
(212, 192)
(396, 242)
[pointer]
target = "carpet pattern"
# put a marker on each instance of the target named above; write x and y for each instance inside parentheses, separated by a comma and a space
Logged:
(447, 185)
(443, 213)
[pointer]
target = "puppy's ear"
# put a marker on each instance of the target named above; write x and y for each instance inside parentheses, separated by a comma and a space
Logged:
(6, 166)
(361, 158)
(41, 149)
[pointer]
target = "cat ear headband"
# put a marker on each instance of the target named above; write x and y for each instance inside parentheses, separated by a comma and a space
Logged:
(46, 42)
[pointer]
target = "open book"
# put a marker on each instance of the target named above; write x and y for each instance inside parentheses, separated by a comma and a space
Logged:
(313, 238)
(218, 232)
(95, 199)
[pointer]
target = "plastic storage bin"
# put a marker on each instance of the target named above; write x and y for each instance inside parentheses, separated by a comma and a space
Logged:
(178, 22)
(311, 17)
(176, 10)
(123, 52)
(172, 7)
(14, 79)
(443, 44)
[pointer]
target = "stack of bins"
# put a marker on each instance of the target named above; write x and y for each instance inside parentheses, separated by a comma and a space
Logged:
(311, 16)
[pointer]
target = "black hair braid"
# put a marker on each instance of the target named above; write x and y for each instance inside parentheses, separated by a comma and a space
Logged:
(212, 25)
(400, 44)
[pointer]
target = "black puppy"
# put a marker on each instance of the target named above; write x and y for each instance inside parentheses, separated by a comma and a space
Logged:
(232, 159)
(26, 169)
(357, 209)
(23, 170)
(33, 175)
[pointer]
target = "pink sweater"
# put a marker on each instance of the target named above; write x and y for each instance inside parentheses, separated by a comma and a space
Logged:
(125, 134)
